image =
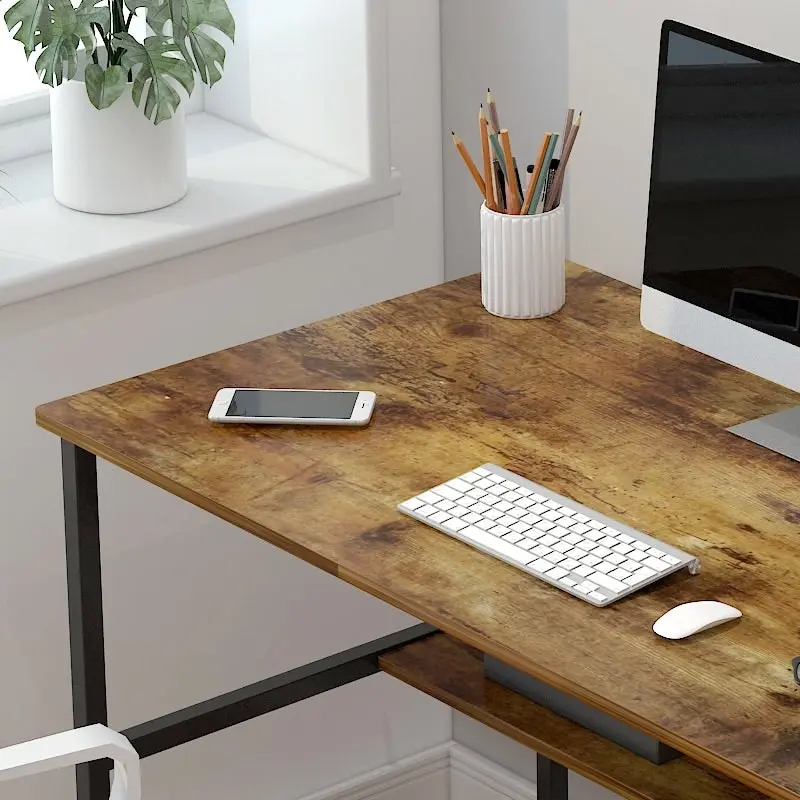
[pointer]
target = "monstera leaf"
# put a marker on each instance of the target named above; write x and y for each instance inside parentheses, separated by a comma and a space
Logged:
(105, 86)
(160, 12)
(92, 12)
(154, 70)
(33, 19)
(58, 61)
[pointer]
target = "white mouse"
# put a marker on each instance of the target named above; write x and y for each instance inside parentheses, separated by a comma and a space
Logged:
(690, 618)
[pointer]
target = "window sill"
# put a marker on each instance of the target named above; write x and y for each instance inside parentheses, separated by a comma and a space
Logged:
(240, 184)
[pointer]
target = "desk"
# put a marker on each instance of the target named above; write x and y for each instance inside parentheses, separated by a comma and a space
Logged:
(585, 402)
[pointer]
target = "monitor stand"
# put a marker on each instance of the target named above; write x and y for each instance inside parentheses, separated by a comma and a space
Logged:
(778, 432)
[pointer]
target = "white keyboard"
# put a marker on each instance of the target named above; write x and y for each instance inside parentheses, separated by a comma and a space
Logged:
(546, 535)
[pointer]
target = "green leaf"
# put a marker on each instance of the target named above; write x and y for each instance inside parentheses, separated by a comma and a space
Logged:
(154, 72)
(92, 12)
(105, 86)
(201, 51)
(58, 61)
(33, 19)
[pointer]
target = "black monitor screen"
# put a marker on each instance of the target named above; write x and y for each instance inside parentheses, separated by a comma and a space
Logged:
(723, 228)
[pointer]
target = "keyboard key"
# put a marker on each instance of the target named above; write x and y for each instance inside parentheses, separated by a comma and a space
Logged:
(637, 555)
(579, 527)
(570, 563)
(539, 498)
(591, 560)
(447, 492)
(671, 560)
(572, 538)
(595, 536)
(641, 546)
(583, 571)
(484, 484)
(506, 520)
(622, 548)
(553, 516)
(531, 519)
(472, 517)
(568, 582)
(493, 514)
(426, 511)
(604, 567)
(576, 553)
(552, 504)
(517, 513)
(525, 502)
(494, 478)
(541, 566)
(608, 541)
(654, 551)
(527, 544)
(495, 545)
(485, 524)
(567, 512)
(581, 589)
(545, 525)
(509, 485)
(479, 508)
(557, 573)
(459, 485)
(496, 491)
(439, 517)
(490, 500)
(589, 585)
(525, 492)
(654, 563)
(585, 545)
(615, 558)
(623, 537)
(482, 471)
(582, 518)
(619, 574)
(555, 558)
(562, 547)
(533, 533)
(520, 527)
(504, 506)
(476, 493)
(513, 537)
(466, 502)
(643, 574)
(608, 530)
(629, 566)
(601, 552)
(632, 580)
(560, 532)
(548, 540)
(446, 505)
(540, 550)
(539, 509)
(413, 504)
(512, 497)
(499, 530)
(454, 525)
(597, 597)
(607, 582)
(430, 497)
(593, 523)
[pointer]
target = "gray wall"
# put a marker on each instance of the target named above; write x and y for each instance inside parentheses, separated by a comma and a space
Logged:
(519, 48)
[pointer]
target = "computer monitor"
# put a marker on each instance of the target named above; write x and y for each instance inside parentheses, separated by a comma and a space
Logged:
(722, 259)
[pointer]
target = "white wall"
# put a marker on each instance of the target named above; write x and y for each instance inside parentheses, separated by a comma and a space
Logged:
(519, 49)
(195, 607)
(612, 77)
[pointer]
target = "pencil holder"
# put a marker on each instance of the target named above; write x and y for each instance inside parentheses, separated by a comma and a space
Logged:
(522, 263)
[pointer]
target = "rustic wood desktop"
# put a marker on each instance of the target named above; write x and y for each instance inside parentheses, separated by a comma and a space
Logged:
(585, 402)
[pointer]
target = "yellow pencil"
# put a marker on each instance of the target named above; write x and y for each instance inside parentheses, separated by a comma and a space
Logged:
(512, 190)
(493, 115)
(488, 172)
(462, 149)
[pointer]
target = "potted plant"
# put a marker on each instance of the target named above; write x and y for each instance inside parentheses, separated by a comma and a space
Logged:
(117, 118)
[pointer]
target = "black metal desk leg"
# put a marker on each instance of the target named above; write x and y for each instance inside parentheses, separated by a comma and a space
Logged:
(85, 600)
(551, 779)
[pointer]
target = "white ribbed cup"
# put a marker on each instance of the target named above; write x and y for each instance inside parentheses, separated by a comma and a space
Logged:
(523, 263)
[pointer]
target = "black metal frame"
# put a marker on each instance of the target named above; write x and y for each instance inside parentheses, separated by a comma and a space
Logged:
(87, 648)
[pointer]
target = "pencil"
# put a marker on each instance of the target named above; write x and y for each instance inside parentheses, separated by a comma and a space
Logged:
(493, 115)
(567, 128)
(512, 194)
(558, 183)
(537, 171)
(498, 151)
(548, 157)
(488, 173)
(500, 185)
(462, 149)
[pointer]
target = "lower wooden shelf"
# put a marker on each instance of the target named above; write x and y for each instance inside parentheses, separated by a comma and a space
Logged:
(452, 672)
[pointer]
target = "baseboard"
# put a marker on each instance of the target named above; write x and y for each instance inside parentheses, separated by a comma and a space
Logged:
(447, 772)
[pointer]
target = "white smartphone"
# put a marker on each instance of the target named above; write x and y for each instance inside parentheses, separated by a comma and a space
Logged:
(292, 407)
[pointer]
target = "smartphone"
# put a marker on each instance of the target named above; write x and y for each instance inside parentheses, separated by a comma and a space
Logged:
(292, 407)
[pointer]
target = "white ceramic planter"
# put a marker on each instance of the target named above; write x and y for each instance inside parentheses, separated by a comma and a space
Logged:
(523, 272)
(114, 161)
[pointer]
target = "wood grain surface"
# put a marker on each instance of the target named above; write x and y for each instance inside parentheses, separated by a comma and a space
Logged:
(585, 402)
(453, 673)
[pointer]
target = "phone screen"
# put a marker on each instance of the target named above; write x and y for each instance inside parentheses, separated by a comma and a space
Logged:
(297, 405)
